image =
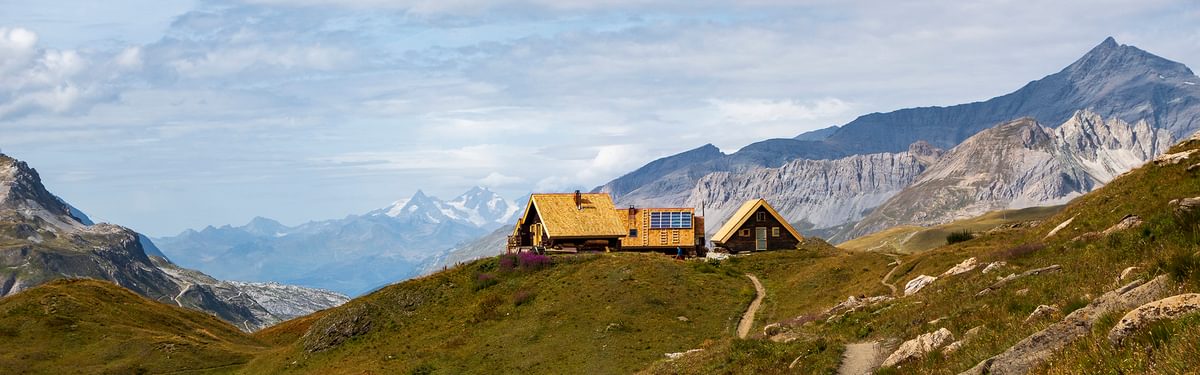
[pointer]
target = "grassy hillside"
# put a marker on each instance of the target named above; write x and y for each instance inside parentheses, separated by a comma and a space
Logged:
(1166, 243)
(88, 326)
(908, 239)
(612, 313)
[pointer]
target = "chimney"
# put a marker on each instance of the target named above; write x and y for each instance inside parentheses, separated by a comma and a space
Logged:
(578, 200)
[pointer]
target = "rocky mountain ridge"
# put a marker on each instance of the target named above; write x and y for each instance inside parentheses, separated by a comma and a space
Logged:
(42, 238)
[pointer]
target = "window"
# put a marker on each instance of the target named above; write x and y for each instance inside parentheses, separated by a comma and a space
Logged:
(670, 220)
(662, 237)
(774, 231)
(744, 233)
(633, 232)
(762, 216)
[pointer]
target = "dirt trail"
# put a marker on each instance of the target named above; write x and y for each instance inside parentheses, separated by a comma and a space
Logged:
(861, 358)
(748, 318)
(884, 281)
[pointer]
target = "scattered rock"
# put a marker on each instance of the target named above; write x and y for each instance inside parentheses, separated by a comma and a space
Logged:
(994, 266)
(1127, 222)
(1185, 206)
(1163, 309)
(1126, 272)
(1010, 278)
(915, 285)
(853, 303)
(1172, 159)
(334, 329)
(1042, 311)
(1039, 347)
(1194, 168)
(674, 356)
(1060, 227)
(918, 347)
(773, 329)
(682, 318)
(1022, 291)
(965, 266)
(1089, 236)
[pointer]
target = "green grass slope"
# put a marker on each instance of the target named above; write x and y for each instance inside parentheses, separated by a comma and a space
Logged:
(908, 239)
(1167, 243)
(610, 313)
(96, 327)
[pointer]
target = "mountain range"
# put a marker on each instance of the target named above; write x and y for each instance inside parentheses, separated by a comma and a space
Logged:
(351, 255)
(42, 238)
(1110, 110)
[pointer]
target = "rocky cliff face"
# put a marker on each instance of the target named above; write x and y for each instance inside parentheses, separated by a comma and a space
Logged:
(816, 195)
(1019, 164)
(42, 239)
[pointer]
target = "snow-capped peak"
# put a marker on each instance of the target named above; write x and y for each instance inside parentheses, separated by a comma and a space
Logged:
(478, 206)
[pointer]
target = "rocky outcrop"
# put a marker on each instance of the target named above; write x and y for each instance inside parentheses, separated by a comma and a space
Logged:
(1185, 207)
(917, 348)
(916, 284)
(1163, 309)
(994, 266)
(1008, 279)
(334, 329)
(970, 335)
(1020, 164)
(1039, 347)
(964, 267)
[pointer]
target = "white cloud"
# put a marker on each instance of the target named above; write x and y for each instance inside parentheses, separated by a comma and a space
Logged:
(44, 80)
(764, 110)
(498, 180)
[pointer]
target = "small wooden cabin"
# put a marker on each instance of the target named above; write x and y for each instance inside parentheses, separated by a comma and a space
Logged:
(662, 229)
(756, 226)
(568, 223)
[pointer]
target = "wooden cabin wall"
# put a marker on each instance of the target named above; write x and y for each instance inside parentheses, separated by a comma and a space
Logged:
(666, 238)
(741, 243)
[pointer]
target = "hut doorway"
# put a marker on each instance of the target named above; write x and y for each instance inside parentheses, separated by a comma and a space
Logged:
(760, 238)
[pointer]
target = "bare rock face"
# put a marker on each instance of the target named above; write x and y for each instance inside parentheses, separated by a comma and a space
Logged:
(1020, 164)
(1039, 347)
(1163, 309)
(970, 335)
(994, 266)
(334, 329)
(1128, 222)
(919, 347)
(964, 267)
(916, 284)
(1185, 206)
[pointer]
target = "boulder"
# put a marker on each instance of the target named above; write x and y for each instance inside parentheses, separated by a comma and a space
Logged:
(1007, 279)
(918, 347)
(965, 266)
(1060, 227)
(915, 285)
(853, 303)
(1185, 206)
(993, 266)
(1163, 309)
(1127, 222)
(1042, 311)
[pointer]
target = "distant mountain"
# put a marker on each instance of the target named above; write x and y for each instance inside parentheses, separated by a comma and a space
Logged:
(1112, 81)
(42, 238)
(818, 196)
(351, 255)
(1020, 164)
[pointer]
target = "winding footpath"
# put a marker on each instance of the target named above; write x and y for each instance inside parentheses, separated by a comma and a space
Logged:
(861, 358)
(884, 281)
(748, 318)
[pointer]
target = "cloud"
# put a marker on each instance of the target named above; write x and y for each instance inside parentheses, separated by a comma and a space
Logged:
(497, 180)
(764, 110)
(34, 80)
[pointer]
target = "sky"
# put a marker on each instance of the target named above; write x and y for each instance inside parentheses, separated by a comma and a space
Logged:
(163, 115)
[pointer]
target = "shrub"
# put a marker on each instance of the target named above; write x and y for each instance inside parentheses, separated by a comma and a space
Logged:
(508, 262)
(959, 236)
(486, 308)
(532, 261)
(484, 280)
(522, 297)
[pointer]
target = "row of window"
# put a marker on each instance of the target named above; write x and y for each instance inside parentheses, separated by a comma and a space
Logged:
(746, 232)
(670, 220)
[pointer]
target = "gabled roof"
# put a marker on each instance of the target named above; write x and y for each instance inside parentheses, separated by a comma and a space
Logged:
(743, 214)
(596, 217)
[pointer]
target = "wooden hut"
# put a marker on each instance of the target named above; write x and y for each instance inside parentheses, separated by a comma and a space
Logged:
(756, 226)
(568, 223)
(662, 229)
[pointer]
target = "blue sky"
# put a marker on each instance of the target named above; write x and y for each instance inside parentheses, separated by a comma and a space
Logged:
(164, 115)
